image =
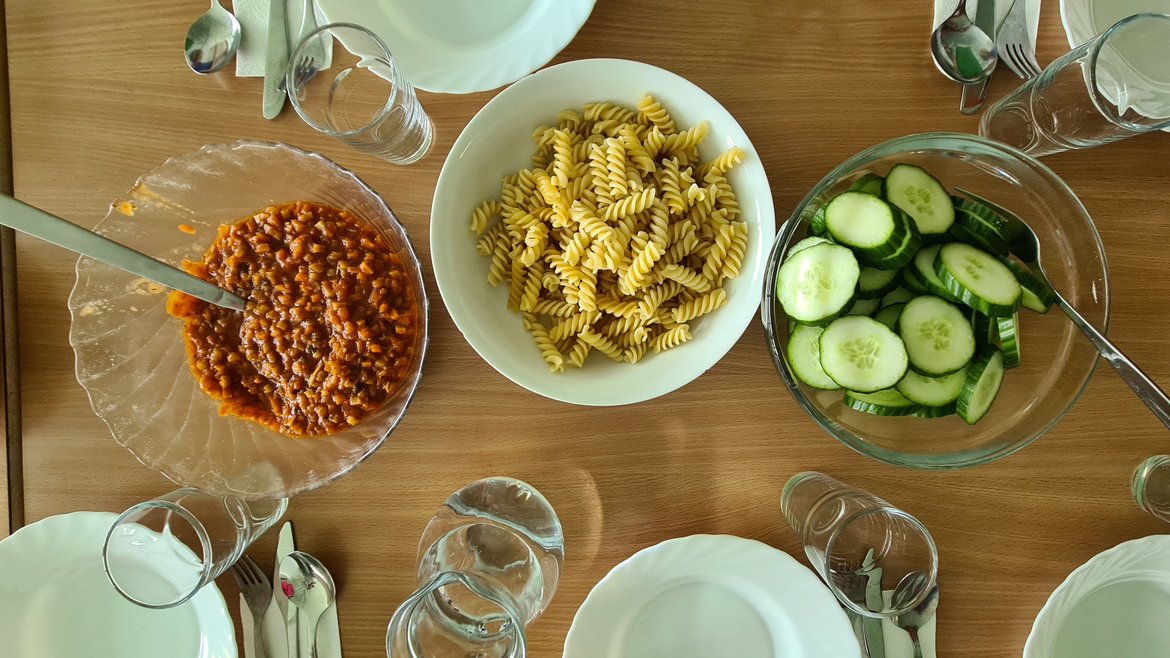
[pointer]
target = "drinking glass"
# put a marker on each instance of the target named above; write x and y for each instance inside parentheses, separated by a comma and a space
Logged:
(853, 538)
(363, 99)
(489, 562)
(159, 553)
(1113, 86)
(1151, 486)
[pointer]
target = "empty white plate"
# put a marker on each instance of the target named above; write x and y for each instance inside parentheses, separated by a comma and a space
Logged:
(463, 46)
(711, 595)
(56, 602)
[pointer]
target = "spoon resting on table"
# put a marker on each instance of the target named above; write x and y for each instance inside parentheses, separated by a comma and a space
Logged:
(309, 588)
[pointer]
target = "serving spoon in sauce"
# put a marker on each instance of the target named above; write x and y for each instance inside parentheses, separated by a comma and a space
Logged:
(50, 228)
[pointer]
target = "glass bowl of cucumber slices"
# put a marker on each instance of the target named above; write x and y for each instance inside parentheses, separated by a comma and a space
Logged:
(903, 308)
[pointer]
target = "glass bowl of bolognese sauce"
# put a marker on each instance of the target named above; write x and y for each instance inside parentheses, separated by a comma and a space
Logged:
(298, 389)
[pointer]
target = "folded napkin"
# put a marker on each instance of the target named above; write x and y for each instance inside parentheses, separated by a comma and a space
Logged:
(328, 638)
(253, 17)
(944, 8)
(897, 641)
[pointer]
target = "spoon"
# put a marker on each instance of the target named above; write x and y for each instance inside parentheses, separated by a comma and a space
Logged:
(307, 585)
(961, 51)
(915, 618)
(212, 40)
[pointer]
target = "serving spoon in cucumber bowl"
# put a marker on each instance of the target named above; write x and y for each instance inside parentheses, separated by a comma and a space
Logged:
(1026, 246)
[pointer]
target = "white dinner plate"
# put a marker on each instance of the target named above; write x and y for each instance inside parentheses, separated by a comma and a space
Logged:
(498, 142)
(463, 46)
(711, 595)
(56, 601)
(1116, 604)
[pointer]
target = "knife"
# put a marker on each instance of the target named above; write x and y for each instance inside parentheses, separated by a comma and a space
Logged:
(276, 59)
(976, 92)
(288, 614)
(871, 628)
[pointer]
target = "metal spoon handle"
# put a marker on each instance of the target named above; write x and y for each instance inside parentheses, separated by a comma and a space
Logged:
(50, 228)
(1142, 385)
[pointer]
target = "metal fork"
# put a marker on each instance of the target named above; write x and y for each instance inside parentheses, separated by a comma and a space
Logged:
(1015, 48)
(312, 55)
(1027, 247)
(257, 593)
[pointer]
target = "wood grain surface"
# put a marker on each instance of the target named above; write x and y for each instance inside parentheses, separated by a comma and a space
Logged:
(100, 95)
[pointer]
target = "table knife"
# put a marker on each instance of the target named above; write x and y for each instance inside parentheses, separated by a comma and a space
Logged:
(288, 614)
(276, 58)
(871, 628)
(975, 93)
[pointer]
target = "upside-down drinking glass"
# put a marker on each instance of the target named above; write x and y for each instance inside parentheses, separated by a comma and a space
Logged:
(1113, 86)
(159, 553)
(489, 563)
(363, 99)
(852, 537)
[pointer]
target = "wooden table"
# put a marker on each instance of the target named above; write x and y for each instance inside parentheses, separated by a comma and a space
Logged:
(100, 95)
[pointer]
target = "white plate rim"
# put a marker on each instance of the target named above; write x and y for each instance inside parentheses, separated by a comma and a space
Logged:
(82, 527)
(749, 283)
(552, 25)
(703, 544)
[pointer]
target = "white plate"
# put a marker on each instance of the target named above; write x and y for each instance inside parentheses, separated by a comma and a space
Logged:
(463, 46)
(497, 142)
(1116, 604)
(711, 595)
(56, 602)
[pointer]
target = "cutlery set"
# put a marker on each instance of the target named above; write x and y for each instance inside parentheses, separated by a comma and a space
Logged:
(968, 51)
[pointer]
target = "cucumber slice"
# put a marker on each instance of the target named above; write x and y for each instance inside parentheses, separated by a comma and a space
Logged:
(869, 183)
(978, 225)
(983, 328)
(1035, 293)
(866, 223)
(936, 412)
(816, 225)
(938, 335)
(862, 354)
(805, 244)
(898, 296)
(904, 253)
(984, 377)
(933, 391)
(864, 307)
(923, 266)
(889, 314)
(978, 279)
(874, 283)
(804, 357)
(921, 196)
(882, 403)
(1007, 330)
(816, 284)
(912, 281)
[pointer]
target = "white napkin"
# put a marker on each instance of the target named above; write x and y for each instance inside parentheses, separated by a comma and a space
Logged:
(253, 17)
(898, 642)
(328, 637)
(944, 8)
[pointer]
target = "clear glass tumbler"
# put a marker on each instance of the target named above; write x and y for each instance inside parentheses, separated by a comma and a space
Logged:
(865, 549)
(489, 563)
(1113, 86)
(362, 99)
(159, 553)
(1151, 486)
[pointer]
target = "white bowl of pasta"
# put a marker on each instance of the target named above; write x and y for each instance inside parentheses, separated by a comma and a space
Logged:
(599, 232)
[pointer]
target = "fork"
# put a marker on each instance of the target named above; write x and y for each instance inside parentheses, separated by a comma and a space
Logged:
(312, 54)
(1027, 247)
(257, 593)
(1014, 45)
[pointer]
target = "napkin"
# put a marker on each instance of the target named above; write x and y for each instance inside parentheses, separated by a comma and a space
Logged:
(253, 17)
(898, 642)
(944, 8)
(328, 637)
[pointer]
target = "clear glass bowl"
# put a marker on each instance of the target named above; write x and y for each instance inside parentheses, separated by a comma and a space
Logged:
(1056, 361)
(131, 359)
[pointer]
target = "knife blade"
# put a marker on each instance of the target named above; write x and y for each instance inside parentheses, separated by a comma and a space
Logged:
(276, 58)
(975, 93)
(871, 628)
(285, 544)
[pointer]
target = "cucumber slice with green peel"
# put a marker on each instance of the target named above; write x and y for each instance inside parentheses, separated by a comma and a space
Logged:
(865, 223)
(921, 196)
(862, 354)
(924, 269)
(938, 336)
(904, 253)
(978, 279)
(869, 183)
(965, 235)
(984, 377)
(810, 241)
(816, 224)
(1008, 331)
(898, 296)
(912, 281)
(817, 284)
(864, 307)
(978, 225)
(1035, 293)
(882, 403)
(804, 357)
(874, 283)
(932, 391)
(936, 412)
(983, 327)
(888, 315)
